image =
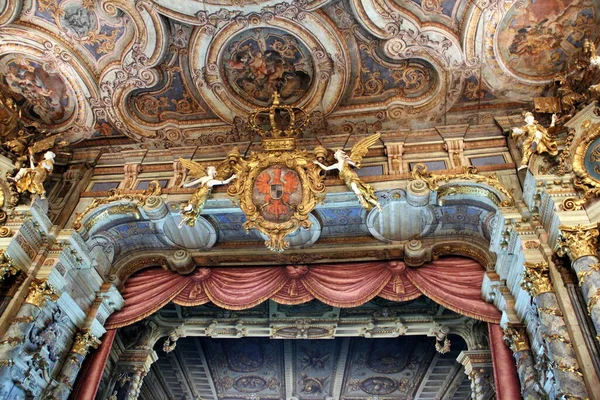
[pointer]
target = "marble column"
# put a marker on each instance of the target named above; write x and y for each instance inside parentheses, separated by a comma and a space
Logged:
(83, 341)
(516, 338)
(581, 244)
(563, 362)
(12, 343)
(478, 367)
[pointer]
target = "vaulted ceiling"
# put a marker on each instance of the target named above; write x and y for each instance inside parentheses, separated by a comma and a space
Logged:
(343, 368)
(174, 73)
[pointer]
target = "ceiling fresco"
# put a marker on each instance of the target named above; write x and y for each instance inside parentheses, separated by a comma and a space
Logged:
(188, 73)
(254, 366)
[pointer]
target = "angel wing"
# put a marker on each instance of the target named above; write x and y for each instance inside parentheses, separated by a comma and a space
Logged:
(196, 170)
(362, 147)
(45, 144)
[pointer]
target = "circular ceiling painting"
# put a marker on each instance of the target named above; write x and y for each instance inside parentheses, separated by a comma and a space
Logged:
(536, 37)
(259, 61)
(45, 94)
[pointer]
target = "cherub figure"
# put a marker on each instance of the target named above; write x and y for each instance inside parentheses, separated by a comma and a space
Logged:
(32, 179)
(364, 191)
(206, 180)
(536, 139)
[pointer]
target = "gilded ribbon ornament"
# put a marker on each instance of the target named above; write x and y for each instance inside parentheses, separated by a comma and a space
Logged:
(470, 173)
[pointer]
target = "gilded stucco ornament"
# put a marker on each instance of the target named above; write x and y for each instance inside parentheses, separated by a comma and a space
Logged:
(83, 342)
(436, 182)
(278, 187)
(586, 166)
(536, 278)
(578, 241)
(154, 189)
(516, 338)
(7, 268)
(39, 291)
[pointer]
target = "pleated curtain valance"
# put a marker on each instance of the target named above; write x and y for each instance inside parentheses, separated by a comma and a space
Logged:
(453, 282)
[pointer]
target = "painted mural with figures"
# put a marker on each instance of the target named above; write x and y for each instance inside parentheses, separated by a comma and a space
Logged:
(261, 61)
(542, 35)
(44, 93)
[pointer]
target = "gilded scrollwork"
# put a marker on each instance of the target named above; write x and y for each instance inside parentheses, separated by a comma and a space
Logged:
(516, 338)
(578, 241)
(82, 343)
(536, 278)
(154, 189)
(279, 187)
(39, 291)
(436, 182)
(586, 165)
(7, 267)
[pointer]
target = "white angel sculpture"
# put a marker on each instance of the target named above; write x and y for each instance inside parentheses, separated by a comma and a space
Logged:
(206, 180)
(344, 164)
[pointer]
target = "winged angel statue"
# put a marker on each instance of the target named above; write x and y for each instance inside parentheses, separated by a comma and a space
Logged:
(207, 178)
(364, 191)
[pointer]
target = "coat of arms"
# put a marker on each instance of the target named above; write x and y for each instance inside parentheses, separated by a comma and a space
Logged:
(278, 188)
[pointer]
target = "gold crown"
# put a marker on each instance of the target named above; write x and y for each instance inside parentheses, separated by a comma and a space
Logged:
(278, 125)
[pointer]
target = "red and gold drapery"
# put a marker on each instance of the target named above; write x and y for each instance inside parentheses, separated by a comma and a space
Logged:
(452, 282)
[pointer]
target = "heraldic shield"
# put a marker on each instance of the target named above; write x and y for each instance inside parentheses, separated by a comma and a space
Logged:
(277, 191)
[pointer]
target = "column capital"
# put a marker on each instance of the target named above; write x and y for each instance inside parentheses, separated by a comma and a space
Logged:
(39, 290)
(536, 278)
(515, 337)
(578, 241)
(83, 341)
(475, 360)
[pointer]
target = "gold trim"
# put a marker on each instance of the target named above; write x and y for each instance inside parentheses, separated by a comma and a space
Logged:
(551, 311)
(578, 241)
(516, 338)
(593, 300)
(242, 189)
(536, 278)
(39, 290)
(154, 189)
(585, 179)
(7, 267)
(470, 173)
(82, 343)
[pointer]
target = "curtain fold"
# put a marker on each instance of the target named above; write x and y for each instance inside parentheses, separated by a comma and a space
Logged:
(90, 374)
(455, 283)
(505, 370)
(452, 282)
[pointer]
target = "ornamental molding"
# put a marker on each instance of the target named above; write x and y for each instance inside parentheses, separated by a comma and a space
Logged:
(577, 241)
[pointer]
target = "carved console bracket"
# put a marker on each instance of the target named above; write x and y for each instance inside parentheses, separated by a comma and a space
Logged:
(498, 194)
(154, 189)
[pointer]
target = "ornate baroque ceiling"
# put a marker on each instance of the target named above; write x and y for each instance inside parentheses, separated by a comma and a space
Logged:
(187, 73)
(379, 364)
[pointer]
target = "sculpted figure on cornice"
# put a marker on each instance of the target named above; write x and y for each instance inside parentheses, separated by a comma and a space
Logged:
(32, 179)
(535, 139)
(206, 180)
(344, 164)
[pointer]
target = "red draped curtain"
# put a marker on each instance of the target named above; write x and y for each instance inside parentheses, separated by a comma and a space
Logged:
(453, 282)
